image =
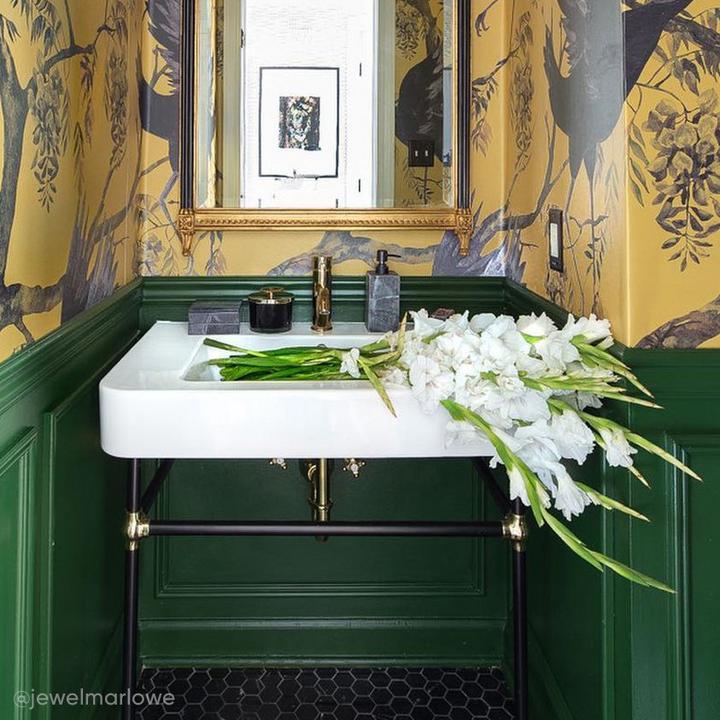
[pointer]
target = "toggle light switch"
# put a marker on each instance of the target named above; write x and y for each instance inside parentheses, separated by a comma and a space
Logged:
(555, 234)
(422, 153)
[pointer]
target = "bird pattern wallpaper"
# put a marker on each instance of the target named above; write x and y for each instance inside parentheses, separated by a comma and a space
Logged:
(71, 163)
(605, 109)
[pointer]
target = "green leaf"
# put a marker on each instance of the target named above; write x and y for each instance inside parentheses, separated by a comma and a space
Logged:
(630, 574)
(650, 447)
(571, 540)
(609, 503)
(231, 348)
(598, 560)
(377, 384)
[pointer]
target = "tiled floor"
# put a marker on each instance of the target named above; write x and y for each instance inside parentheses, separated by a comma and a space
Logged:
(330, 694)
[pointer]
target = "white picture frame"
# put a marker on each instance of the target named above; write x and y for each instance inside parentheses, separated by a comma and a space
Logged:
(299, 129)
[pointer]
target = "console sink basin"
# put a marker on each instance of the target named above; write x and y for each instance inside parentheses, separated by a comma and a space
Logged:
(163, 401)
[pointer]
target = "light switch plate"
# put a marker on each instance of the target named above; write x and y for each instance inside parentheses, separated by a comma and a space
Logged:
(422, 153)
(555, 237)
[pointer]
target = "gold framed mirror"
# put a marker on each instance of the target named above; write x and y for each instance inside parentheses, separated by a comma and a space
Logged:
(325, 115)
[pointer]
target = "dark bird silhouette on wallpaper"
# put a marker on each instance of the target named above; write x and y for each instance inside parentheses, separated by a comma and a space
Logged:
(587, 102)
(160, 112)
(419, 108)
(606, 51)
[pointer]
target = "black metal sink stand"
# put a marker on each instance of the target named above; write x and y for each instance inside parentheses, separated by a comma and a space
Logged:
(139, 527)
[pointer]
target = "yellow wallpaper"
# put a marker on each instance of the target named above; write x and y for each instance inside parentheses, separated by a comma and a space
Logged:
(613, 115)
(619, 130)
(70, 126)
(673, 125)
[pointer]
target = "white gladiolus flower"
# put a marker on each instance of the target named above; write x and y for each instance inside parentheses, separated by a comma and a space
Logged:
(534, 326)
(517, 485)
(485, 364)
(349, 363)
(480, 323)
(587, 400)
(431, 383)
(524, 405)
(424, 325)
(574, 439)
(590, 328)
(457, 323)
(557, 352)
(618, 450)
(395, 376)
(455, 348)
(570, 500)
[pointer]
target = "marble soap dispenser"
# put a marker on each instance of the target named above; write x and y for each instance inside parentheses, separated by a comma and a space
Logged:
(382, 296)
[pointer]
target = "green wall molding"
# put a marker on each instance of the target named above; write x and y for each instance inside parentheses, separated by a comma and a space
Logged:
(17, 471)
(169, 298)
(356, 642)
(33, 366)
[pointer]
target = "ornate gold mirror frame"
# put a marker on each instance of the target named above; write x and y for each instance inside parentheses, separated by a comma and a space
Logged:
(457, 219)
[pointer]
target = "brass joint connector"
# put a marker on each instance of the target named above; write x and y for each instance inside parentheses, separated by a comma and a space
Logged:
(137, 528)
(515, 529)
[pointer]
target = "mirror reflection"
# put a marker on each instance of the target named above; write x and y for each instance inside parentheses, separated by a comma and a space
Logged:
(324, 104)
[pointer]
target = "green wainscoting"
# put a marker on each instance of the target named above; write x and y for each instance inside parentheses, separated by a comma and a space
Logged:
(600, 649)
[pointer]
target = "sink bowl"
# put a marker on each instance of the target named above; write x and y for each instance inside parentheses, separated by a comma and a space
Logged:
(162, 400)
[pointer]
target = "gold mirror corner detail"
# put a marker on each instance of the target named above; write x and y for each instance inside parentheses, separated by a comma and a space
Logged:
(464, 226)
(186, 230)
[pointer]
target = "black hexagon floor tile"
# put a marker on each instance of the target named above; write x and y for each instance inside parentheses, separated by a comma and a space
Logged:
(327, 694)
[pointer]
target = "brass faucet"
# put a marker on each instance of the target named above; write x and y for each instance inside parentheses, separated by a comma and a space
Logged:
(322, 294)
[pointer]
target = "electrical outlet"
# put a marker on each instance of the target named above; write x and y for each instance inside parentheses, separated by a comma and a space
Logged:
(555, 237)
(422, 153)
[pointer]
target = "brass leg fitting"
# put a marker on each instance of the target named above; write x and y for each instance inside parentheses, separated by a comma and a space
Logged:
(136, 528)
(515, 529)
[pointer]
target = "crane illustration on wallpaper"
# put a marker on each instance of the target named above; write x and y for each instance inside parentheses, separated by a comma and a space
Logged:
(606, 52)
(160, 111)
(61, 133)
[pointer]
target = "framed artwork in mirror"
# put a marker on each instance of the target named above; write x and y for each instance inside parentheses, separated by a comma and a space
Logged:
(299, 127)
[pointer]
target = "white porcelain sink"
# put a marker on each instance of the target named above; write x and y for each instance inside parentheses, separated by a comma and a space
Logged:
(163, 401)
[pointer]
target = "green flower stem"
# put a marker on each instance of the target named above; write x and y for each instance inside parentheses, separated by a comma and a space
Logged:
(511, 461)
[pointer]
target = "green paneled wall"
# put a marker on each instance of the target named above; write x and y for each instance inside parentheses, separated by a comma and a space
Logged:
(608, 650)
(60, 514)
(600, 649)
(17, 471)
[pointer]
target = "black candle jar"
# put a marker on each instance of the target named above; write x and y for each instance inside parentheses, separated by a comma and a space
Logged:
(271, 310)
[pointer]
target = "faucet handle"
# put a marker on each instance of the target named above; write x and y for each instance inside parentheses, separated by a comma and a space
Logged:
(354, 466)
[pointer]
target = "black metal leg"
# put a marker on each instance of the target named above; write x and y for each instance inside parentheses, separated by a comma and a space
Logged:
(129, 679)
(520, 622)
